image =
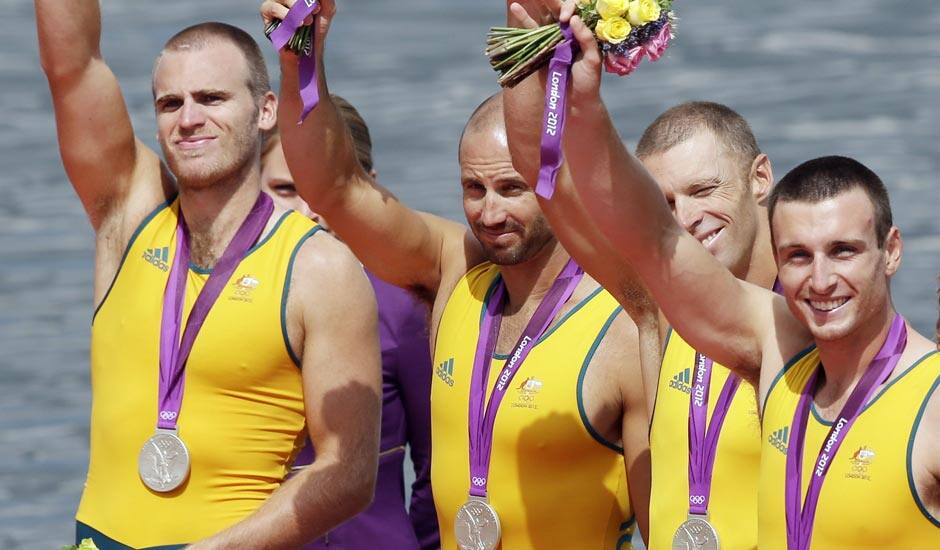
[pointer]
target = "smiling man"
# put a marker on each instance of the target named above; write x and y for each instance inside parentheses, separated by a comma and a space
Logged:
(716, 180)
(214, 348)
(833, 345)
(515, 329)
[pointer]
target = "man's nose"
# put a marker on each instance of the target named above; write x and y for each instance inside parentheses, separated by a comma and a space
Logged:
(688, 213)
(192, 115)
(823, 277)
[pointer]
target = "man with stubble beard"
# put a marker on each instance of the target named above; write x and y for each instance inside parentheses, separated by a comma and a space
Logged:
(846, 388)
(215, 343)
(515, 327)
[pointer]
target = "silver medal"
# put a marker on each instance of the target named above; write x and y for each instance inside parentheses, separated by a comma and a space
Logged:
(163, 462)
(696, 533)
(477, 525)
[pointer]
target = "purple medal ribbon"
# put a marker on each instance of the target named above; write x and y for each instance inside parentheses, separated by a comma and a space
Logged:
(173, 357)
(553, 119)
(307, 67)
(800, 518)
(481, 422)
(703, 442)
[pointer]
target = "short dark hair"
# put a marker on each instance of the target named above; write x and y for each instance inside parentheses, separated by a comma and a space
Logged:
(826, 177)
(201, 34)
(681, 122)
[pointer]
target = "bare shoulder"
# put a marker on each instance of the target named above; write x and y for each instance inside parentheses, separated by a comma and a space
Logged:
(326, 270)
(613, 379)
(616, 361)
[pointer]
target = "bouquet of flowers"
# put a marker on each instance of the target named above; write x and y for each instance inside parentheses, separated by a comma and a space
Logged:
(626, 31)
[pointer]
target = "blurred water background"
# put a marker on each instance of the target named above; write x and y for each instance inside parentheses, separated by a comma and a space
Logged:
(853, 77)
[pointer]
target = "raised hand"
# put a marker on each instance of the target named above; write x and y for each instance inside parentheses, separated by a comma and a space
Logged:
(586, 69)
(325, 10)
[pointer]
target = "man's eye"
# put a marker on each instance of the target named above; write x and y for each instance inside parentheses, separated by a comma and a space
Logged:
(798, 255)
(169, 105)
(704, 192)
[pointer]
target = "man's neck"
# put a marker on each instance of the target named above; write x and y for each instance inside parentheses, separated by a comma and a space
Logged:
(214, 213)
(845, 360)
(762, 269)
(532, 279)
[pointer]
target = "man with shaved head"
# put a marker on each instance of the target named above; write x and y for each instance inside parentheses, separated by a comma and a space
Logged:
(515, 328)
(214, 348)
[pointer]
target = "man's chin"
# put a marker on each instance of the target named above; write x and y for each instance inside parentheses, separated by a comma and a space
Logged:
(830, 331)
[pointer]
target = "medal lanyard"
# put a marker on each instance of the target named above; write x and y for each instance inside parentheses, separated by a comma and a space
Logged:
(703, 439)
(482, 419)
(175, 352)
(703, 442)
(800, 518)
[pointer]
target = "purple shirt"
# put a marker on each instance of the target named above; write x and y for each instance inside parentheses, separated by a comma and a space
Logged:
(406, 419)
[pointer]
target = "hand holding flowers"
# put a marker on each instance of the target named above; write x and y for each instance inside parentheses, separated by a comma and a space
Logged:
(626, 32)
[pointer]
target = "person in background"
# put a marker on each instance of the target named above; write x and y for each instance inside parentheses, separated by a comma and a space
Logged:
(406, 383)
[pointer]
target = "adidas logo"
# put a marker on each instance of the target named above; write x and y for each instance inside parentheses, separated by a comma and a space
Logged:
(445, 371)
(779, 439)
(681, 381)
(158, 257)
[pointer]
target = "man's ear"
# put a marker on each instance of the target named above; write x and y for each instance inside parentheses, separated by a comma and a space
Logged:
(894, 248)
(761, 178)
(267, 112)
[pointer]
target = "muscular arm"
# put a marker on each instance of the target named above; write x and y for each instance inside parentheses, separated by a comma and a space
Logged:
(100, 154)
(628, 207)
(342, 398)
(400, 245)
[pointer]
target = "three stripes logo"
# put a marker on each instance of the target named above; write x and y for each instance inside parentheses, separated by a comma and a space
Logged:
(445, 371)
(779, 439)
(158, 257)
(681, 381)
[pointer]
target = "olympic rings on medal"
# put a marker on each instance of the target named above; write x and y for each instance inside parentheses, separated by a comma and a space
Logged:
(167, 415)
(479, 481)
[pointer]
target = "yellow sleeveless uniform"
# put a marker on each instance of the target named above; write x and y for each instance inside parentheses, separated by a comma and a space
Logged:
(733, 501)
(553, 481)
(242, 415)
(868, 498)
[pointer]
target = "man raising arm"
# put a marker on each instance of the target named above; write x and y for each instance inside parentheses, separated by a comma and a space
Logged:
(836, 250)
(568, 387)
(181, 278)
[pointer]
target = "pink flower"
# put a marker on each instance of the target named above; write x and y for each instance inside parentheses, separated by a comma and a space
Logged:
(624, 65)
(659, 43)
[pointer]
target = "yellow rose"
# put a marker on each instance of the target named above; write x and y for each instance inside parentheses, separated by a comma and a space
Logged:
(608, 9)
(641, 12)
(613, 30)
